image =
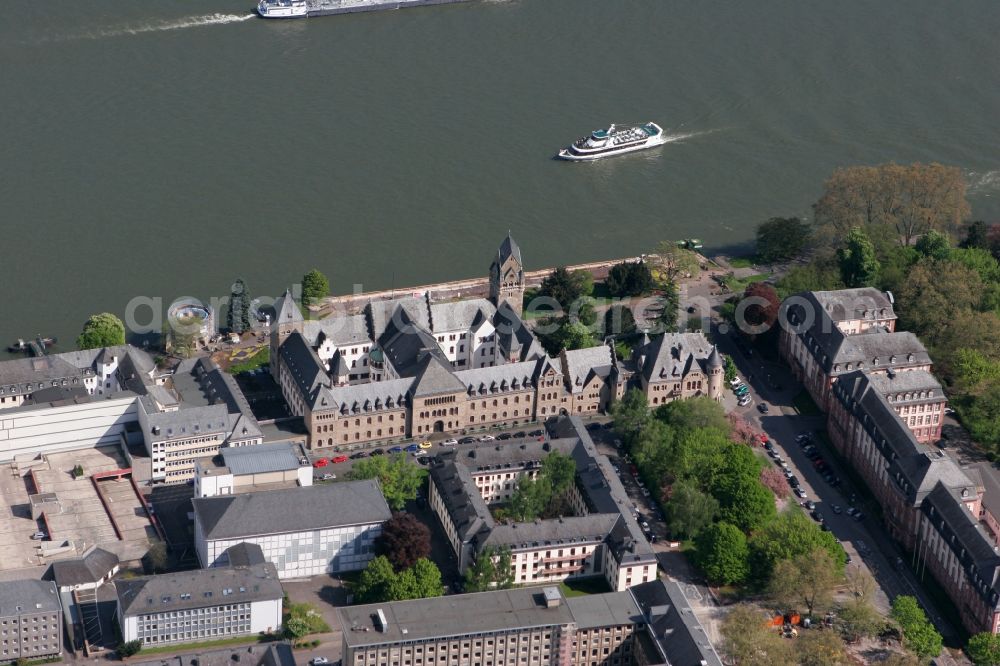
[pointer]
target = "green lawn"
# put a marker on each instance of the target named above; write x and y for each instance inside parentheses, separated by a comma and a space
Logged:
(583, 586)
(741, 262)
(261, 358)
(804, 404)
(741, 284)
(174, 648)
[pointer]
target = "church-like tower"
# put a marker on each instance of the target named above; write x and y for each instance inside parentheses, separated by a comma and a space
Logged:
(716, 372)
(507, 276)
(287, 320)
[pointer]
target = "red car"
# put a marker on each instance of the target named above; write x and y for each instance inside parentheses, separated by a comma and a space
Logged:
(322, 462)
(763, 439)
(339, 459)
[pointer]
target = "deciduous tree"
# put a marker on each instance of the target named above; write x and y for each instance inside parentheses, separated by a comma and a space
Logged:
(919, 634)
(821, 648)
(620, 322)
(669, 262)
(490, 570)
(565, 286)
(101, 330)
(934, 244)
(721, 553)
(404, 540)
(774, 480)
(984, 649)
(858, 264)
(759, 305)
(977, 235)
(689, 510)
(400, 479)
(789, 535)
(807, 579)
(781, 239)
(375, 583)
(315, 287)
(629, 278)
(749, 641)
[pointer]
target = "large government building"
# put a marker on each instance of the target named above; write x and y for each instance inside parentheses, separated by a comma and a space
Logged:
(410, 367)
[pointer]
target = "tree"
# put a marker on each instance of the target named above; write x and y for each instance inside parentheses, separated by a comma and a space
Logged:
(666, 308)
(749, 641)
(905, 200)
(315, 287)
(821, 274)
(670, 261)
(745, 503)
(721, 553)
(821, 648)
(729, 369)
(238, 317)
(547, 493)
(984, 649)
(492, 569)
(762, 303)
(631, 414)
(919, 635)
(934, 244)
(400, 479)
(781, 239)
(695, 413)
(858, 619)
(689, 510)
(157, 557)
(977, 235)
(629, 279)
(404, 540)
(934, 294)
(789, 535)
(376, 580)
(296, 627)
(808, 579)
(620, 322)
(568, 335)
(565, 287)
(129, 648)
(420, 581)
(858, 265)
(101, 330)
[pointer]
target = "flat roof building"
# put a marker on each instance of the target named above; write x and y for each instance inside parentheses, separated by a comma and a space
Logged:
(303, 531)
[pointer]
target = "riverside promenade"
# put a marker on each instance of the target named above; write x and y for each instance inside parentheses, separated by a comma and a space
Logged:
(471, 288)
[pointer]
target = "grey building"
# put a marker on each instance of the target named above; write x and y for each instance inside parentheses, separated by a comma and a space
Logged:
(30, 620)
(529, 625)
(303, 531)
(673, 635)
(190, 606)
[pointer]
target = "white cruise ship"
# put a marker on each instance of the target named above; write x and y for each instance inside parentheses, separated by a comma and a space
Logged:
(282, 9)
(614, 141)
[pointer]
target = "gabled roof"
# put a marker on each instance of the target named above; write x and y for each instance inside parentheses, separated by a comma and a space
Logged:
(28, 596)
(380, 313)
(582, 364)
(434, 377)
(365, 397)
(95, 564)
(406, 343)
(498, 378)
(671, 356)
(460, 315)
(859, 303)
(671, 623)
(303, 364)
(514, 339)
(261, 458)
(285, 309)
(339, 331)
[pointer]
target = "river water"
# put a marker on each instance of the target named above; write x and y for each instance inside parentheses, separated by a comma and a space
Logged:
(163, 148)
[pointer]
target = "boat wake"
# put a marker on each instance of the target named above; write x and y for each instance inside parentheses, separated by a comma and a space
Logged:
(160, 26)
(668, 138)
(983, 183)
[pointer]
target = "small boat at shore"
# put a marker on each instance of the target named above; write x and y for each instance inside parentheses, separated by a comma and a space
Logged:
(21, 346)
(284, 9)
(614, 140)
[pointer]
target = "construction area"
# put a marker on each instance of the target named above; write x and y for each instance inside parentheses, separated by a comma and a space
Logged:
(60, 504)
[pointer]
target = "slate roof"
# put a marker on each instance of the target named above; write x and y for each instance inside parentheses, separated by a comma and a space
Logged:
(95, 564)
(20, 376)
(679, 637)
(303, 364)
(514, 338)
(289, 510)
(583, 364)
(568, 530)
(339, 331)
(286, 311)
(32, 596)
(925, 470)
(460, 315)
(435, 377)
(910, 381)
(273, 654)
(380, 314)
(406, 344)
(860, 303)
(260, 458)
(245, 555)
(197, 588)
(498, 378)
(592, 611)
(389, 394)
(461, 499)
(509, 248)
(672, 356)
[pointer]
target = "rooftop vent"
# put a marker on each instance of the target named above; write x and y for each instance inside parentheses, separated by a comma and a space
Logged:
(383, 623)
(551, 597)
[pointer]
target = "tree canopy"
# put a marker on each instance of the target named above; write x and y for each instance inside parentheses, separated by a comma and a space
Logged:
(379, 582)
(759, 306)
(670, 261)
(788, 536)
(238, 316)
(400, 478)
(934, 244)
(919, 634)
(490, 570)
(546, 495)
(404, 540)
(565, 287)
(749, 641)
(722, 554)
(101, 330)
(781, 239)
(858, 264)
(629, 278)
(807, 579)
(984, 649)
(903, 201)
(620, 322)
(315, 287)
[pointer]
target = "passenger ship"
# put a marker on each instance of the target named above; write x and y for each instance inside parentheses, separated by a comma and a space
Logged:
(614, 141)
(282, 8)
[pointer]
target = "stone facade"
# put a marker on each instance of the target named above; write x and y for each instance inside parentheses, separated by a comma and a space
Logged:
(678, 366)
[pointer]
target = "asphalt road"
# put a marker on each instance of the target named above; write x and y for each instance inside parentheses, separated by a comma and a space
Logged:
(865, 541)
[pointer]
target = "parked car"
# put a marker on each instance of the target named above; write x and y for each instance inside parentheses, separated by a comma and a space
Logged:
(321, 462)
(744, 401)
(536, 433)
(801, 494)
(339, 459)
(504, 436)
(520, 434)
(789, 474)
(762, 408)
(419, 453)
(377, 452)
(411, 448)
(394, 449)
(859, 516)
(319, 661)
(425, 444)
(809, 505)
(449, 442)
(767, 444)
(851, 511)
(38, 536)
(487, 438)
(817, 516)
(359, 454)
(467, 440)
(793, 481)
(735, 381)
(326, 477)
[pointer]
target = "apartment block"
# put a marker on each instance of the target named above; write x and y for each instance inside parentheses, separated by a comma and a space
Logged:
(30, 620)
